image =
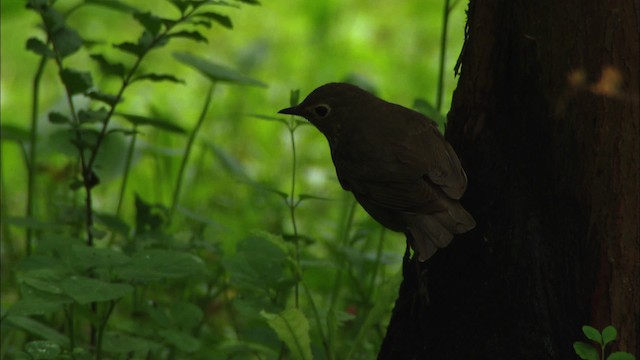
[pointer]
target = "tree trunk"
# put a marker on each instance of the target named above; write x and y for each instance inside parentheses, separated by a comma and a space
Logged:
(546, 120)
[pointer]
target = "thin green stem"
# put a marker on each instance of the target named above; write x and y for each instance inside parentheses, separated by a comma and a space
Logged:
(292, 210)
(127, 168)
(316, 315)
(187, 152)
(31, 165)
(102, 327)
(337, 283)
(443, 53)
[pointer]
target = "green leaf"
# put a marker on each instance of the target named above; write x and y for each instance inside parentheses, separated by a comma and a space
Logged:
(216, 72)
(76, 82)
(158, 77)
(620, 355)
(108, 67)
(609, 334)
(92, 116)
(130, 48)
(250, 2)
(85, 290)
(149, 21)
(66, 41)
(592, 334)
(57, 118)
(193, 35)
(37, 46)
(85, 257)
(181, 340)
(38, 329)
(43, 349)
(14, 133)
(108, 99)
(585, 351)
(157, 123)
(119, 343)
(114, 5)
(114, 224)
(223, 20)
(35, 302)
(292, 328)
(156, 265)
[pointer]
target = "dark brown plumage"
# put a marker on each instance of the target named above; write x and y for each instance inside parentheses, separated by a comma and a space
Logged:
(395, 161)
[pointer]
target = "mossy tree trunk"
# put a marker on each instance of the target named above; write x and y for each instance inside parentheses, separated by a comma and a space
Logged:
(546, 119)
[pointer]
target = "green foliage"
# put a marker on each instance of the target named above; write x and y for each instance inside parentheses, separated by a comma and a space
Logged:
(603, 339)
(147, 231)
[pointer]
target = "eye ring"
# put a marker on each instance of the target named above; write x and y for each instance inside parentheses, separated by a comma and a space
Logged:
(321, 110)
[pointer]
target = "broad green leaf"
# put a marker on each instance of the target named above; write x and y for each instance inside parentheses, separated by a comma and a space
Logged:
(85, 290)
(182, 315)
(120, 343)
(66, 41)
(592, 334)
(181, 340)
(35, 302)
(43, 349)
(108, 67)
(585, 351)
(38, 329)
(214, 71)
(620, 355)
(76, 82)
(292, 328)
(114, 5)
(37, 46)
(156, 265)
(84, 257)
(157, 123)
(609, 334)
(53, 19)
(223, 20)
(57, 118)
(158, 77)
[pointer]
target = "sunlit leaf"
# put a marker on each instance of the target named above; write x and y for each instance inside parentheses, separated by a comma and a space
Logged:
(130, 48)
(215, 71)
(292, 328)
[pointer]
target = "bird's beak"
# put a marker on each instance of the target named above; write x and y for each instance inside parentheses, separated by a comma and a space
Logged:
(294, 110)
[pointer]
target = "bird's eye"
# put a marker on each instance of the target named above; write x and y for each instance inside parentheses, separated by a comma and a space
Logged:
(321, 110)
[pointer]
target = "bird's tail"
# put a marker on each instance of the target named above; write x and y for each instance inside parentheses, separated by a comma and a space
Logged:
(429, 232)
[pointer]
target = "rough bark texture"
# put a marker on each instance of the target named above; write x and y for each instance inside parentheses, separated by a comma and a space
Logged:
(546, 119)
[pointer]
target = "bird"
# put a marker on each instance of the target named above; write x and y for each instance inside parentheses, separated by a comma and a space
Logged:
(395, 161)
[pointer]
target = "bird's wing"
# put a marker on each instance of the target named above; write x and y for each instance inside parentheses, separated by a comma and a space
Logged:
(427, 152)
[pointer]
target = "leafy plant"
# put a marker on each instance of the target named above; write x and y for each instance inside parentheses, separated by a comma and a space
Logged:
(587, 351)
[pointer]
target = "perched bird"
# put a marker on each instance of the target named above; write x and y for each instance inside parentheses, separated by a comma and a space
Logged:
(395, 161)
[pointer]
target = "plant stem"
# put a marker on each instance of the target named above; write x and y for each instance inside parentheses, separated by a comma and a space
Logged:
(127, 168)
(292, 209)
(31, 165)
(443, 52)
(187, 152)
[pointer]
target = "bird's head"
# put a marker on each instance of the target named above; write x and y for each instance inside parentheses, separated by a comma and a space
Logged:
(329, 106)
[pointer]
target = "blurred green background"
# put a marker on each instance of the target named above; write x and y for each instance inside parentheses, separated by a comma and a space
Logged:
(238, 160)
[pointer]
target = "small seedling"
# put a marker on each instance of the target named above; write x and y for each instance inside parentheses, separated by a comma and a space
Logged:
(589, 352)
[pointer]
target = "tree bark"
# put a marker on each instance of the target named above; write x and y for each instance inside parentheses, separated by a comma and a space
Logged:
(546, 120)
